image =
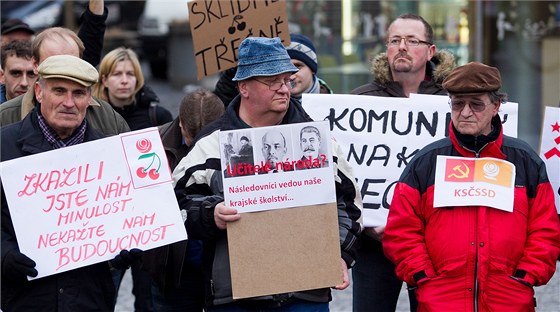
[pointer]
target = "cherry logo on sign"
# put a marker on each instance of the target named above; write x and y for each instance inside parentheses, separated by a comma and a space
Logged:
(240, 25)
(144, 146)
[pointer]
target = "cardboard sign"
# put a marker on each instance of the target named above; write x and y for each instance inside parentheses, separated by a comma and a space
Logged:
(284, 250)
(462, 181)
(281, 250)
(219, 26)
(83, 204)
(381, 135)
(277, 167)
(550, 149)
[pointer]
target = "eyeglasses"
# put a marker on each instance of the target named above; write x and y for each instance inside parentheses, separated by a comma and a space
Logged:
(458, 105)
(409, 41)
(277, 85)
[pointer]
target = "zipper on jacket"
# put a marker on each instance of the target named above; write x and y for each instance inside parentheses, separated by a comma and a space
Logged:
(475, 301)
(476, 154)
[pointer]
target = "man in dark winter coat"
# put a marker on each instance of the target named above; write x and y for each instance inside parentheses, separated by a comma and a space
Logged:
(63, 94)
(411, 64)
(263, 80)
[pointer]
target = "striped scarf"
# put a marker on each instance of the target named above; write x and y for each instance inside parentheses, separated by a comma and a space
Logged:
(52, 137)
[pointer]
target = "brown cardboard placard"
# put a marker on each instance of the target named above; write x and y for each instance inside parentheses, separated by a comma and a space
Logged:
(285, 250)
(218, 27)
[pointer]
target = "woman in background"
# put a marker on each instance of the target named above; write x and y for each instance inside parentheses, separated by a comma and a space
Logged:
(121, 83)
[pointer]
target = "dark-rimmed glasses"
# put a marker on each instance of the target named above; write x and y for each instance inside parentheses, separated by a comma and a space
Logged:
(277, 85)
(409, 41)
(476, 106)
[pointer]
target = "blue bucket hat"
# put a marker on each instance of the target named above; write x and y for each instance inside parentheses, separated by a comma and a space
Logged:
(260, 56)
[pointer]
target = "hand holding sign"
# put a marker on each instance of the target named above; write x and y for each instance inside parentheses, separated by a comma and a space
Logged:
(224, 214)
(126, 258)
(16, 265)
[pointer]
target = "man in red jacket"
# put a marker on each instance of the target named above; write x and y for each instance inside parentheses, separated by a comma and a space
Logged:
(464, 251)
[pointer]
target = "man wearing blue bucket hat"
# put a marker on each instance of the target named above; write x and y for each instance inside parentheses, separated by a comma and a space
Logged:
(263, 79)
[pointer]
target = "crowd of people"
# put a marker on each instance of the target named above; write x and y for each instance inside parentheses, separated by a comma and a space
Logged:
(453, 258)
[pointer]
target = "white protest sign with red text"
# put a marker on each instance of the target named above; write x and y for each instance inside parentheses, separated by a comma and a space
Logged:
(381, 135)
(255, 182)
(550, 149)
(462, 181)
(83, 204)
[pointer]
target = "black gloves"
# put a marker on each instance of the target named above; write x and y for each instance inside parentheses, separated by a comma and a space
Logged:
(17, 266)
(125, 258)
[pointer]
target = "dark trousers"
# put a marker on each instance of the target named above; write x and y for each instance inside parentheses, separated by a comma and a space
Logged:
(295, 306)
(375, 285)
(141, 287)
(188, 296)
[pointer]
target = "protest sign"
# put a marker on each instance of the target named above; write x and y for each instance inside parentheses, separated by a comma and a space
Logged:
(550, 149)
(218, 27)
(381, 135)
(294, 244)
(281, 171)
(462, 181)
(83, 204)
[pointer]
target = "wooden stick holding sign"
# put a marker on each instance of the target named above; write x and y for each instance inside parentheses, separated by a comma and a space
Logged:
(218, 27)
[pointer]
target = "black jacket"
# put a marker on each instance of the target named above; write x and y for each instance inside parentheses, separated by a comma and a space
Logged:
(88, 288)
(145, 112)
(92, 32)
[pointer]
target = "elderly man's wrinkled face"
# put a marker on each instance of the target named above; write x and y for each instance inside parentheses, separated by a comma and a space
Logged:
(472, 114)
(63, 104)
(274, 147)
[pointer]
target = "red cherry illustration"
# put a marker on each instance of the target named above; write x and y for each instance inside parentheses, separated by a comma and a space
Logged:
(153, 174)
(141, 173)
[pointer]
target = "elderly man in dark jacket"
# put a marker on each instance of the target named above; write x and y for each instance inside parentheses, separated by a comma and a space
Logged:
(63, 94)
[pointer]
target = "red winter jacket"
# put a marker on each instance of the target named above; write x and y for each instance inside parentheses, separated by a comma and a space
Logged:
(474, 258)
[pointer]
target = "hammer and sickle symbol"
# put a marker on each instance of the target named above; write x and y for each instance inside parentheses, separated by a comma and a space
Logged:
(464, 173)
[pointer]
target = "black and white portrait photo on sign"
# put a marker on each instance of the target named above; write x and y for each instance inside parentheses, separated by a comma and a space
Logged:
(237, 151)
(312, 151)
(292, 166)
(275, 147)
